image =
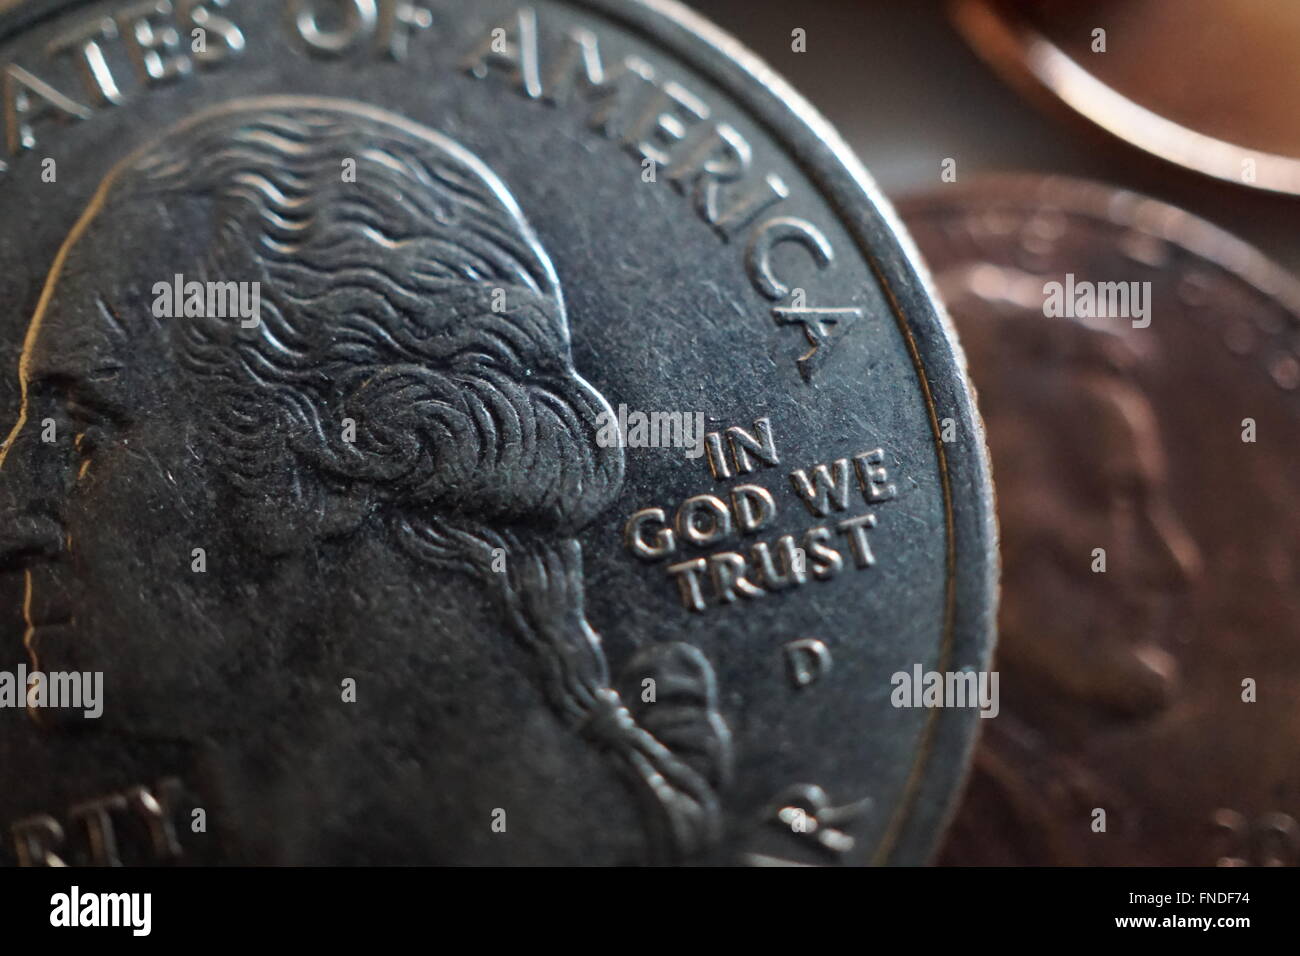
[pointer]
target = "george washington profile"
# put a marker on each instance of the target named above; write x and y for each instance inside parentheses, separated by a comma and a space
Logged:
(1085, 656)
(383, 479)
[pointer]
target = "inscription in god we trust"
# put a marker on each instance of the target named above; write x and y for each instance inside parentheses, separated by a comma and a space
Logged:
(836, 493)
(103, 60)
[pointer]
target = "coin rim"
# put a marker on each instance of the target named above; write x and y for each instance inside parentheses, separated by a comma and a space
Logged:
(1027, 59)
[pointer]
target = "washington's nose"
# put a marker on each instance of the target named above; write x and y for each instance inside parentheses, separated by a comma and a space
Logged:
(28, 538)
(29, 527)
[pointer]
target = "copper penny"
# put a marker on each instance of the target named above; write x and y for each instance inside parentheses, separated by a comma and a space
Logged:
(1201, 83)
(1139, 375)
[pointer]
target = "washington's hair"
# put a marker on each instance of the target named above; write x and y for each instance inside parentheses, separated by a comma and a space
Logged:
(474, 436)
(381, 251)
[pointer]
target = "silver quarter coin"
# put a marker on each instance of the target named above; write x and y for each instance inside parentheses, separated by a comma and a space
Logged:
(482, 432)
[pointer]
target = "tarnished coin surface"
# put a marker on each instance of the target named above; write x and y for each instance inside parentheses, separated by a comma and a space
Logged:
(1139, 375)
(452, 432)
(1204, 84)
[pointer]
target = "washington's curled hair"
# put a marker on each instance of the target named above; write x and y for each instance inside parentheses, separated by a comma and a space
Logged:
(403, 290)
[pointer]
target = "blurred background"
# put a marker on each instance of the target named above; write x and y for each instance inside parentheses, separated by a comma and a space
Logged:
(905, 89)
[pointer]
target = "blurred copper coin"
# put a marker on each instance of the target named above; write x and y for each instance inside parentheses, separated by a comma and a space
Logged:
(1202, 83)
(1139, 376)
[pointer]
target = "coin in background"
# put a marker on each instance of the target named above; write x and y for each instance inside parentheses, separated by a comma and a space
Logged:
(1204, 84)
(1139, 375)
